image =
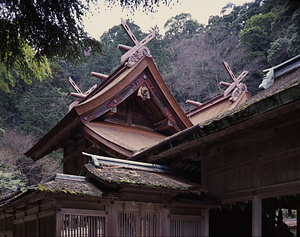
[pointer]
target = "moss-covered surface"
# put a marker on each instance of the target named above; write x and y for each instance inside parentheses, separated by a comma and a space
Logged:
(67, 187)
(134, 177)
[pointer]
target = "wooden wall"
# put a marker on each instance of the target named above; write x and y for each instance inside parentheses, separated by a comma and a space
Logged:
(258, 157)
(72, 216)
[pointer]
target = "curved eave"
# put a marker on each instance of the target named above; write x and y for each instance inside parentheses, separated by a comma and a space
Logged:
(121, 139)
(52, 140)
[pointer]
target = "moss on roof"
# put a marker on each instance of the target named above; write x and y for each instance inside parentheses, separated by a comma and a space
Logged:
(134, 177)
(68, 187)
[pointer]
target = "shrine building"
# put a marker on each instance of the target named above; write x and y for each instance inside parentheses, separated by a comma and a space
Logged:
(136, 164)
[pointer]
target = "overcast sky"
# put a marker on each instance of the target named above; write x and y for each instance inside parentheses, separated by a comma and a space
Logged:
(104, 17)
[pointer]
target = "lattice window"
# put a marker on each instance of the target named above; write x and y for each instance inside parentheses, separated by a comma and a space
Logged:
(150, 225)
(133, 224)
(185, 226)
(82, 226)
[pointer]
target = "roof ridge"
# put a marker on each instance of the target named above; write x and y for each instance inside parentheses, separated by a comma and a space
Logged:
(70, 177)
(98, 160)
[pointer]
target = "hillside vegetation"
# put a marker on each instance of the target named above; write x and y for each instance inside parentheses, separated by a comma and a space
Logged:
(252, 37)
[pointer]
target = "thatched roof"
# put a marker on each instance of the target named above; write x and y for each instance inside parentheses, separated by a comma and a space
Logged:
(117, 173)
(68, 184)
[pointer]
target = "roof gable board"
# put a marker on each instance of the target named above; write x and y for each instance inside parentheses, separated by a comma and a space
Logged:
(122, 87)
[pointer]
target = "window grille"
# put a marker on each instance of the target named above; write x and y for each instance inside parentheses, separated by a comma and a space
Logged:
(150, 225)
(133, 224)
(185, 227)
(82, 226)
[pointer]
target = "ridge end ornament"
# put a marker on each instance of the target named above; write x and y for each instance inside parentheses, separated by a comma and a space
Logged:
(79, 94)
(234, 89)
(135, 53)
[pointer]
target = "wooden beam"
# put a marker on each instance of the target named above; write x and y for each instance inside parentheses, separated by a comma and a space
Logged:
(83, 212)
(99, 75)
(163, 125)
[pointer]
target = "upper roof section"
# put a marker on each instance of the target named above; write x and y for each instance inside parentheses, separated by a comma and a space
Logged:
(133, 96)
(151, 97)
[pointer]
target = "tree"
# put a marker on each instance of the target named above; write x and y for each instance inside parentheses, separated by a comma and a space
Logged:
(279, 51)
(9, 180)
(41, 107)
(182, 26)
(50, 27)
(256, 34)
(31, 30)
(27, 70)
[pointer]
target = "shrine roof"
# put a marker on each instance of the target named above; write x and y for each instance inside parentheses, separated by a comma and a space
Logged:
(123, 138)
(122, 83)
(120, 174)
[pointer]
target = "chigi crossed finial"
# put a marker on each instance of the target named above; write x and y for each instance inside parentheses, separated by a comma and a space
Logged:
(235, 88)
(139, 49)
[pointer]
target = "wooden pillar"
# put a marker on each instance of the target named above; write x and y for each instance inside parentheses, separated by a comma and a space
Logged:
(58, 223)
(256, 216)
(298, 220)
(112, 220)
(205, 222)
(165, 222)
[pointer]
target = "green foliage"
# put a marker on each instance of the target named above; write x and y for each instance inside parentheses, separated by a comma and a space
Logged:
(26, 70)
(255, 38)
(9, 180)
(41, 107)
(182, 26)
(263, 21)
(51, 27)
(279, 51)
(256, 34)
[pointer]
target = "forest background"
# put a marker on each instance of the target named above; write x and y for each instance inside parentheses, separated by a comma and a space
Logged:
(252, 37)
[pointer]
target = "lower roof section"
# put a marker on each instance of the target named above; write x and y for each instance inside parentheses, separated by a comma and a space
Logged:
(121, 138)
